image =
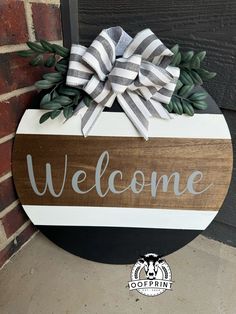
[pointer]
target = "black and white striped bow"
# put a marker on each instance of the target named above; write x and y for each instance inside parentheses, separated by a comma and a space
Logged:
(135, 70)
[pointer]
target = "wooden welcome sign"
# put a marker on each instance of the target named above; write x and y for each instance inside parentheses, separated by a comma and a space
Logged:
(114, 179)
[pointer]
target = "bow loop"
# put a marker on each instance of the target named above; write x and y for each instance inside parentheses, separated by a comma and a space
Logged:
(101, 55)
(150, 47)
(124, 73)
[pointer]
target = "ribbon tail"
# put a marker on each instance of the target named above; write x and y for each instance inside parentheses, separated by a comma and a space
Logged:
(80, 109)
(157, 109)
(90, 117)
(131, 104)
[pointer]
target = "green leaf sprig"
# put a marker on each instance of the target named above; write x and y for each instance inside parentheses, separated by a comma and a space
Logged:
(60, 97)
(191, 75)
(44, 53)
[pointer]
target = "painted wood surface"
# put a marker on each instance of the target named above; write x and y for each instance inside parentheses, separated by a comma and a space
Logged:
(198, 25)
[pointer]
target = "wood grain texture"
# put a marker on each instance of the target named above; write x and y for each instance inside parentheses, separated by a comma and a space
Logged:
(198, 25)
(164, 155)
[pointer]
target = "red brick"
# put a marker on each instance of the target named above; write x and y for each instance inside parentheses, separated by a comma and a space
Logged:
(17, 73)
(47, 21)
(12, 111)
(13, 220)
(16, 244)
(7, 193)
(13, 28)
(5, 157)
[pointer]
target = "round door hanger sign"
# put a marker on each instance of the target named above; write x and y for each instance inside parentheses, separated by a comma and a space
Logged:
(113, 196)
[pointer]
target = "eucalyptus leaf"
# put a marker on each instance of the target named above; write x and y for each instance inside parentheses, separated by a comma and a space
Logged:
(50, 62)
(169, 107)
(54, 77)
(195, 62)
(178, 85)
(55, 113)
(61, 68)
(201, 55)
(25, 53)
(206, 75)
(176, 60)
(54, 94)
(177, 106)
(175, 49)
(47, 46)
(61, 51)
(198, 96)
(45, 117)
(187, 108)
(63, 100)
(195, 77)
(69, 91)
(87, 100)
(68, 112)
(64, 61)
(44, 84)
(36, 61)
(185, 78)
(185, 90)
(201, 105)
(187, 56)
(52, 105)
(46, 98)
(35, 47)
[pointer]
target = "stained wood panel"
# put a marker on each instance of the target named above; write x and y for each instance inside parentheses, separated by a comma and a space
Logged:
(164, 155)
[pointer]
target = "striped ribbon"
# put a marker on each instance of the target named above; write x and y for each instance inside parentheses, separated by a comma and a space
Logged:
(135, 71)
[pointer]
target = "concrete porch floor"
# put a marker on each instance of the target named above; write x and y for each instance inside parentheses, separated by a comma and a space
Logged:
(43, 278)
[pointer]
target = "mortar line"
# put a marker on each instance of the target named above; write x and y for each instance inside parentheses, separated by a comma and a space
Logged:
(23, 245)
(14, 235)
(16, 92)
(7, 138)
(9, 208)
(5, 176)
(29, 20)
(19, 47)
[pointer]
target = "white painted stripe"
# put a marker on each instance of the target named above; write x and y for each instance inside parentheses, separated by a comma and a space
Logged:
(118, 124)
(119, 217)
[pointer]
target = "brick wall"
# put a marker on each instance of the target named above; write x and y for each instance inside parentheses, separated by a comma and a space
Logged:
(20, 20)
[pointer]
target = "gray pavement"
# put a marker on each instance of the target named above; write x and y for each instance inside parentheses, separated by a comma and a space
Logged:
(43, 278)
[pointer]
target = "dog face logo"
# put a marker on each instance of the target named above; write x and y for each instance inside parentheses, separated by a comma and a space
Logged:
(151, 263)
(151, 275)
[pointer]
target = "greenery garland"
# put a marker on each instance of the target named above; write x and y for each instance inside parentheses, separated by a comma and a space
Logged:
(62, 98)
